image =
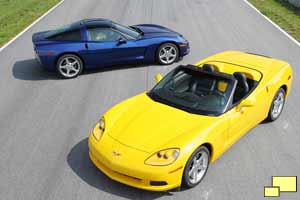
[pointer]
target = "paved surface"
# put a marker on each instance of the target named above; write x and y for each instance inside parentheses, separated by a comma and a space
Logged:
(44, 121)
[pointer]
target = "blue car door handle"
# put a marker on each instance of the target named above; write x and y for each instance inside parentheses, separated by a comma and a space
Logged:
(86, 46)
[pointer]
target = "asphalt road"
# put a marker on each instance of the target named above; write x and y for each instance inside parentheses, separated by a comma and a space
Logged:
(45, 121)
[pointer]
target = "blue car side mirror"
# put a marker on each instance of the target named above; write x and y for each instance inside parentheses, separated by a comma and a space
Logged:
(121, 41)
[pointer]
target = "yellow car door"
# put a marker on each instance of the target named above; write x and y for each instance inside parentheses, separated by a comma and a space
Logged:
(246, 114)
(238, 123)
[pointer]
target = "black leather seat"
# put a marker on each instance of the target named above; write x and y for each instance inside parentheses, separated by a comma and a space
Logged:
(242, 87)
(208, 68)
(204, 83)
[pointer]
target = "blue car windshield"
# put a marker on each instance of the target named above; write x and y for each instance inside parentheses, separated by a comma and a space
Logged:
(128, 31)
(194, 91)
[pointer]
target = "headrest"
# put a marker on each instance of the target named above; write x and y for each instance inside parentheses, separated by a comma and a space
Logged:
(208, 68)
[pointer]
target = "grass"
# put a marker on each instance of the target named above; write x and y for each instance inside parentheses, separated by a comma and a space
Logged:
(282, 13)
(15, 15)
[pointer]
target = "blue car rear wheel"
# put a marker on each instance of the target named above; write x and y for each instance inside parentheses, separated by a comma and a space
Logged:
(167, 54)
(69, 66)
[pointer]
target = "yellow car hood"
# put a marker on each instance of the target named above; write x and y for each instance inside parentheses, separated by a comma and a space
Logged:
(147, 125)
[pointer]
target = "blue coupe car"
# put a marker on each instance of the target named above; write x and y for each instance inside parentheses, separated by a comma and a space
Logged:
(93, 43)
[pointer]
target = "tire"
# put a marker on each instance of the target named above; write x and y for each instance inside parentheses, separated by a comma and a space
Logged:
(187, 179)
(277, 105)
(69, 66)
(167, 54)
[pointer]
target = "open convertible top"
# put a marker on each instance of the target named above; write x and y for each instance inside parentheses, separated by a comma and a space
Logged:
(214, 73)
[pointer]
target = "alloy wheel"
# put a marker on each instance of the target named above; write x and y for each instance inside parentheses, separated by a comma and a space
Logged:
(168, 54)
(198, 167)
(69, 66)
(277, 105)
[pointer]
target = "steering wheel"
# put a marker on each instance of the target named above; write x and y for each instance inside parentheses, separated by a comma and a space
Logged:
(187, 96)
(217, 92)
(203, 91)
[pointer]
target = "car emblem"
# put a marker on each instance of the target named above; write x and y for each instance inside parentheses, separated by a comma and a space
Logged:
(116, 153)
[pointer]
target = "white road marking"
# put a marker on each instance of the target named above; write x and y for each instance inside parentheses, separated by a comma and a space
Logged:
(206, 194)
(274, 24)
(286, 125)
(31, 25)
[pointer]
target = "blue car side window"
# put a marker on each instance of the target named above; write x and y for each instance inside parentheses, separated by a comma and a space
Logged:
(102, 35)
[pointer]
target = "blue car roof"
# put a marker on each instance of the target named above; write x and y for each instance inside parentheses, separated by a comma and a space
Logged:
(97, 22)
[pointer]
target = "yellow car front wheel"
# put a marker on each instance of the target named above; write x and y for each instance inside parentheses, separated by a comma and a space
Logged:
(196, 167)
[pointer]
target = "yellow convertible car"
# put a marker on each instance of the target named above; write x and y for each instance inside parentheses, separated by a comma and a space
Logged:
(167, 137)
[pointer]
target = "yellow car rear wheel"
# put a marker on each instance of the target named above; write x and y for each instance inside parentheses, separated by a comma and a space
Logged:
(277, 105)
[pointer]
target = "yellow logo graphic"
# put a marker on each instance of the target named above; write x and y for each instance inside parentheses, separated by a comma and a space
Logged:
(281, 184)
(272, 192)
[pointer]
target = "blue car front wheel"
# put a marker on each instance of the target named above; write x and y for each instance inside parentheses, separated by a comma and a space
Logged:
(69, 66)
(167, 54)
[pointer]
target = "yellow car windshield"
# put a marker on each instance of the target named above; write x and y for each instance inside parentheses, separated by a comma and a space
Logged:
(194, 90)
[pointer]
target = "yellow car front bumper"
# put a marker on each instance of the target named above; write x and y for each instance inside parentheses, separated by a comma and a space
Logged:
(129, 167)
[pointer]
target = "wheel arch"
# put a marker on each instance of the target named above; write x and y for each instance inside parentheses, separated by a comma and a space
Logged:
(208, 145)
(210, 149)
(169, 41)
(285, 88)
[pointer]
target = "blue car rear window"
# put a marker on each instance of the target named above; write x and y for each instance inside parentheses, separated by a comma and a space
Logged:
(63, 29)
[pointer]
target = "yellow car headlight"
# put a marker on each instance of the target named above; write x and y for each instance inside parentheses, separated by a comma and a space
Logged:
(163, 157)
(99, 129)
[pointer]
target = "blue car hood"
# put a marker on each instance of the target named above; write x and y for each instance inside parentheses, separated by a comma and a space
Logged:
(152, 30)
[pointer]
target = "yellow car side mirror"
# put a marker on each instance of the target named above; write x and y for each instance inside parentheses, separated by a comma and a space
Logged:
(246, 103)
(158, 77)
